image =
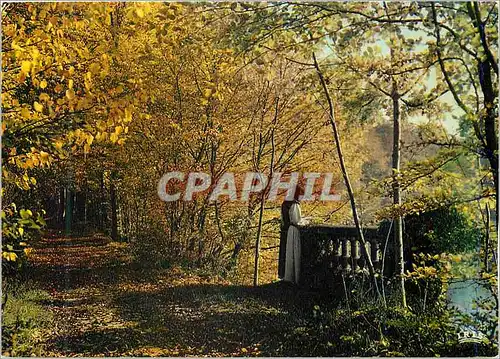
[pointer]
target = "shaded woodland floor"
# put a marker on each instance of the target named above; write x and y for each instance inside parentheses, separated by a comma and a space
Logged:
(105, 304)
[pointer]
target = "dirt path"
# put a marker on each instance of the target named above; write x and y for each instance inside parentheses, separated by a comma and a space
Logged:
(105, 304)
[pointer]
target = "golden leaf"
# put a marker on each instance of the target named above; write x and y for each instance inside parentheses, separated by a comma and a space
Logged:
(113, 137)
(128, 115)
(25, 213)
(58, 145)
(21, 78)
(38, 106)
(44, 156)
(70, 94)
(207, 93)
(94, 68)
(25, 113)
(90, 139)
(26, 66)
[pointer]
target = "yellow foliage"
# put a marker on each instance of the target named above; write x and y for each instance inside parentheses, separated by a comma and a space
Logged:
(70, 94)
(44, 156)
(25, 113)
(26, 67)
(58, 145)
(38, 106)
(113, 137)
(94, 68)
(9, 256)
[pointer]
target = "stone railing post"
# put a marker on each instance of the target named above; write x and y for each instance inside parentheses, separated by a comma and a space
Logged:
(354, 254)
(336, 253)
(374, 253)
(345, 255)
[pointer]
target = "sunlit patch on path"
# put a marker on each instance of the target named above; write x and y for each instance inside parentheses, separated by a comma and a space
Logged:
(106, 304)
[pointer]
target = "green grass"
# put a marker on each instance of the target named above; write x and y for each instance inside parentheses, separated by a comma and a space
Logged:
(23, 320)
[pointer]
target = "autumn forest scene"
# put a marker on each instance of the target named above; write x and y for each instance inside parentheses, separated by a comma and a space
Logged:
(276, 179)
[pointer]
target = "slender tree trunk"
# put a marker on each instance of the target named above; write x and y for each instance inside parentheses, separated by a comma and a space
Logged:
(490, 126)
(85, 200)
(257, 241)
(102, 209)
(217, 221)
(347, 182)
(485, 63)
(263, 201)
(68, 212)
(80, 207)
(264, 192)
(396, 188)
(60, 214)
(114, 217)
(487, 239)
(487, 136)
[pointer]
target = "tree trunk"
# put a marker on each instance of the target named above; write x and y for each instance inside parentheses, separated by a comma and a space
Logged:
(102, 209)
(491, 145)
(68, 212)
(257, 241)
(487, 136)
(60, 214)
(263, 197)
(396, 188)
(347, 182)
(85, 199)
(114, 217)
(490, 142)
(487, 239)
(79, 207)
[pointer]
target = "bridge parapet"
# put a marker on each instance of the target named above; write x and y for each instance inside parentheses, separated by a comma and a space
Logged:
(329, 250)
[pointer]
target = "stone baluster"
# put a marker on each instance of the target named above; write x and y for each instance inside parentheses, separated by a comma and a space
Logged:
(363, 255)
(345, 255)
(374, 253)
(354, 254)
(336, 252)
(328, 254)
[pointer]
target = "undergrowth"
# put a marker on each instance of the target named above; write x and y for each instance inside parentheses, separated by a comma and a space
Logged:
(23, 320)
